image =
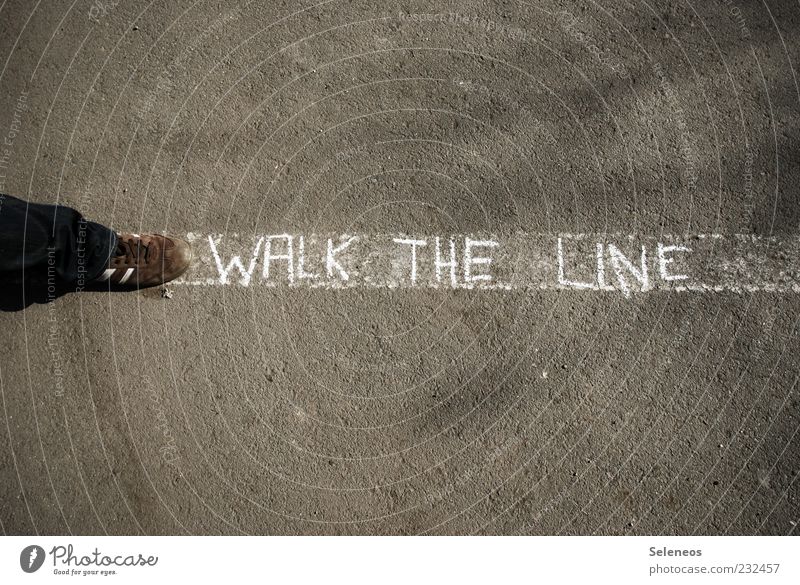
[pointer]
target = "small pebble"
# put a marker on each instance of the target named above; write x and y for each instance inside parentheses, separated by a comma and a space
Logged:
(166, 293)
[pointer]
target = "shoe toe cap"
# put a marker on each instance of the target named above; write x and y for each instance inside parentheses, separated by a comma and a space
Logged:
(180, 258)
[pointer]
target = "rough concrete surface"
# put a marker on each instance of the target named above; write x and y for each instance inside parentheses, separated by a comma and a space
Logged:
(287, 410)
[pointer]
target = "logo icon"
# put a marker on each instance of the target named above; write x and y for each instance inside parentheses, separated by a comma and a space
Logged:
(31, 558)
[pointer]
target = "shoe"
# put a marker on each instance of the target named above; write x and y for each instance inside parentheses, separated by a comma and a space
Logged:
(146, 260)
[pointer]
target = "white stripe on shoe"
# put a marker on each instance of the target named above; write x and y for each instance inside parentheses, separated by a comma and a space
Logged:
(106, 274)
(127, 275)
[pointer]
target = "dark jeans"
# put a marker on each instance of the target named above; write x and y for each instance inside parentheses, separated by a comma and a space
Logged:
(49, 248)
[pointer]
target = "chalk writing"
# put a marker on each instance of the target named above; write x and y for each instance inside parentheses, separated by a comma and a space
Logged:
(608, 263)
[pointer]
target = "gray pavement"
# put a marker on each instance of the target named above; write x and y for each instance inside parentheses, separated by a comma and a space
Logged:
(397, 408)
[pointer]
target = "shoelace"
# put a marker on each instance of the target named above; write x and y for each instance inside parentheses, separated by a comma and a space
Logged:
(132, 250)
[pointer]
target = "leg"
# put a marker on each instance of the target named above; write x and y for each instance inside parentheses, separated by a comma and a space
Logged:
(50, 245)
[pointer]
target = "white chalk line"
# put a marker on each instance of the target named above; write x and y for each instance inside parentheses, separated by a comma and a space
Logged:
(714, 263)
(694, 288)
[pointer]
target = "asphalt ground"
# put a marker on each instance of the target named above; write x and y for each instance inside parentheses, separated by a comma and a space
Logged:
(382, 403)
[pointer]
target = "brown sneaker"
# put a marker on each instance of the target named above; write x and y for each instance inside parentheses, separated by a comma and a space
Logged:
(146, 260)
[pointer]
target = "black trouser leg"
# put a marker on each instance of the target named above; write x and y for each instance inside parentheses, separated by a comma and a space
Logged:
(50, 246)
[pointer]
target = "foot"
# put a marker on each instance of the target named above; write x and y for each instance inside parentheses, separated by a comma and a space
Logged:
(146, 260)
